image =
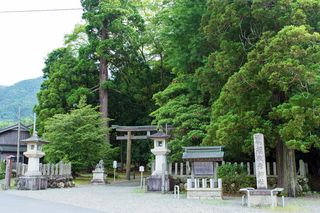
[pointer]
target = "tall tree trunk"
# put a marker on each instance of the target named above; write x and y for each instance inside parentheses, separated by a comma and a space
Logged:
(279, 161)
(286, 169)
(103, 77)
(292, 174)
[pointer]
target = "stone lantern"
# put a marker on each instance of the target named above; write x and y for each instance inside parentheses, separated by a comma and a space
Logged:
(33, 179)
(159, 180)
(34, 153)
(160, 151)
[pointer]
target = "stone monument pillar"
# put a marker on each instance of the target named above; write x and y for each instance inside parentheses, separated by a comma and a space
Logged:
(159, 180)
(260, 161)
(98, 176)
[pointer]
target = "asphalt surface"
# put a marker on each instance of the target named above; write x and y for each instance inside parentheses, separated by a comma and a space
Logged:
(17, 204)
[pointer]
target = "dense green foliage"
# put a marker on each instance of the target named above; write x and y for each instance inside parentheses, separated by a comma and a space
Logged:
(218, 71)
(234, 178)
(21, 94)
(275, 93)
(2, 169)
(77, 137)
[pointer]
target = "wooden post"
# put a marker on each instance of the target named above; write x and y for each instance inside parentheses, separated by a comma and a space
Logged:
(8, 172)
(128, 164)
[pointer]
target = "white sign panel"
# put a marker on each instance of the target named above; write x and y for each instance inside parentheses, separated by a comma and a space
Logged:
(115, 164)
(141, 168)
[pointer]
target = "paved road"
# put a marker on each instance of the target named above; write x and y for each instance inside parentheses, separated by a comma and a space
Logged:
(126, 197)
(17, 204)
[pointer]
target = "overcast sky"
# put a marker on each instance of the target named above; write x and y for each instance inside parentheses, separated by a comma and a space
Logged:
(27, 38)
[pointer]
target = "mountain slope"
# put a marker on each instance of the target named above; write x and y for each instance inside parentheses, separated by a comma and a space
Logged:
(21, 94)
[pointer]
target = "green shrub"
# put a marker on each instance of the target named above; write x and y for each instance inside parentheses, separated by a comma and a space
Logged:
(234, 177)
(2, 169)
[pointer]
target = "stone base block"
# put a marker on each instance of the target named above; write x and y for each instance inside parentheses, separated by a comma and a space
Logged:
(263, 200)
(154, 183)
(32, 183)
(98, 178)
(204, 193)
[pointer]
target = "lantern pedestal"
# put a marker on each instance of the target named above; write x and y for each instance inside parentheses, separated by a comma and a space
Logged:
(158, 183)
(32, 183)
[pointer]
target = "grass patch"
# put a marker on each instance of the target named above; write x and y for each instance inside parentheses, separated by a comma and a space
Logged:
(138, 191)
(83, 179)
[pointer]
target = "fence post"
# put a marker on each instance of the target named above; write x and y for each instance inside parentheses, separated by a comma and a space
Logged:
(170, 168)
(268, 168)
(175, 168)
(189, 183)
(211, 183)
(219, 183)
(188, 168)
(274, 168)
(306, 168)
(248, 168)
(302, 168)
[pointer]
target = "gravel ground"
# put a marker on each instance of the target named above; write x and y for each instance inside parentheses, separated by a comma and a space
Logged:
(129, 198)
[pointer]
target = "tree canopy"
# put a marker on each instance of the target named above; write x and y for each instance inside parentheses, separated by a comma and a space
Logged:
(218, 71)
(77, 137)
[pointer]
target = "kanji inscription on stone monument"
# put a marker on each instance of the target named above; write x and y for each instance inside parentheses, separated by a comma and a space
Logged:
(260, 161)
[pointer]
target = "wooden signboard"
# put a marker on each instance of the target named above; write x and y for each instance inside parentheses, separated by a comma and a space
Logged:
(203, 168)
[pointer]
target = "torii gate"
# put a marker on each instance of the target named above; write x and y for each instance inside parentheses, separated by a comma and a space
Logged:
(129, 137)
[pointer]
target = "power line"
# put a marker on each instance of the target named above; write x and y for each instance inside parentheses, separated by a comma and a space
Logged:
(40, 10)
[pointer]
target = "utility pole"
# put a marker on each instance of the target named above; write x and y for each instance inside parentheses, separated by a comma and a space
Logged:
(18, 143)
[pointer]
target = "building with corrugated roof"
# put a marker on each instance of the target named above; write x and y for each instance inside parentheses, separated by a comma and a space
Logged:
(9, 139)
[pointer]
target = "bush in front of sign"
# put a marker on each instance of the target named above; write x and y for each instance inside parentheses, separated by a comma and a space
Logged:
(2, 169)
(234, 177)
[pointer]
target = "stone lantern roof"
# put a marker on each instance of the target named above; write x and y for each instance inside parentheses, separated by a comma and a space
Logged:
(34, 138)
(159, 135)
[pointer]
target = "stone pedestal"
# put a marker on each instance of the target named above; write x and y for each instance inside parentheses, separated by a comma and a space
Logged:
(32, 183)
(155, 183)
(98, 177)
(204, 193)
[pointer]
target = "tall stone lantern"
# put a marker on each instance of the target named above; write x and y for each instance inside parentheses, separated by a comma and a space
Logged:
(34, 153)
(159, 180)
(33, 179)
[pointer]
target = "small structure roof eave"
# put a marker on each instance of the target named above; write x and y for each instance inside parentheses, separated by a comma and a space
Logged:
(204, 153)
(23, 128)
(34, 138)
